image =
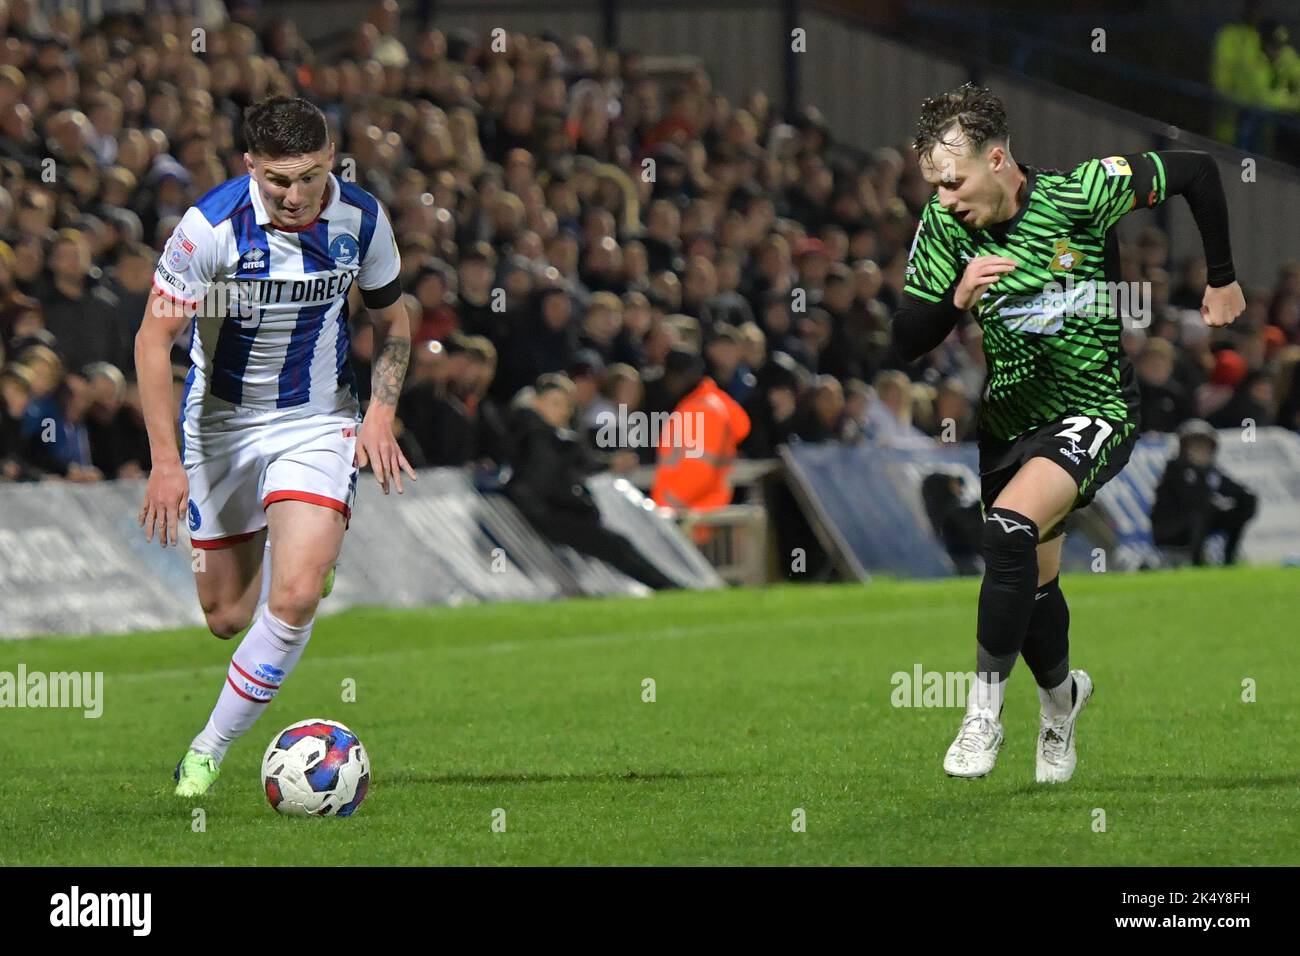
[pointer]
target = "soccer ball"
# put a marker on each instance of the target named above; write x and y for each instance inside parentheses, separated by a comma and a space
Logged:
(316, 767)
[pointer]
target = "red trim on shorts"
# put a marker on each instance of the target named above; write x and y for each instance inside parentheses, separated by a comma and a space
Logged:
(208, 544)
(311, 499)
(243, 695)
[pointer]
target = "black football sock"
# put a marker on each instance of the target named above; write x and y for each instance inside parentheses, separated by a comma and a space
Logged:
(1006, 598)
(1047, 641)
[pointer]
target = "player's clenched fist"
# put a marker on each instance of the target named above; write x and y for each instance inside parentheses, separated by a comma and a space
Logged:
(1220, 306)
(981, 272)
(165, 498)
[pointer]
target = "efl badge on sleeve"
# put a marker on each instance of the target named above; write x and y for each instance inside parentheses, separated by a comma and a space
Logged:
(179, 251)
(1116, 166)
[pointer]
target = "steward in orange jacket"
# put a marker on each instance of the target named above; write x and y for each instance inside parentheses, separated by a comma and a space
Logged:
(697, 448)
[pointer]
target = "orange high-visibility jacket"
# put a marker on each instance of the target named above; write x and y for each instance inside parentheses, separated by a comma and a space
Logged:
(697, 450)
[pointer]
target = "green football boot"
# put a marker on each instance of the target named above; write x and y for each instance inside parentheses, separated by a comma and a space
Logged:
(196, 773)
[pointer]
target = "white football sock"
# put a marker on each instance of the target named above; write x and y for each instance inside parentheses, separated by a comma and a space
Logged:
(264, 658)
(1058, 700)
(266, 574)
(987, 696)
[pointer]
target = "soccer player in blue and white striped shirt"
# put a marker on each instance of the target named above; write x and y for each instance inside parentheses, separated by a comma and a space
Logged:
(271, 435)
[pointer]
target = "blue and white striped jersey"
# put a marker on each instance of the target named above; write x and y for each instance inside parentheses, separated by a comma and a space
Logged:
(271, 331)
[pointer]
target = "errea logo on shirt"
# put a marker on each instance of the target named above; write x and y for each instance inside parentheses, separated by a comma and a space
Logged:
(252, 260)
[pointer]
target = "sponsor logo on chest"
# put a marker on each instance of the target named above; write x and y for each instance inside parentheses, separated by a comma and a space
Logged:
(315, 290)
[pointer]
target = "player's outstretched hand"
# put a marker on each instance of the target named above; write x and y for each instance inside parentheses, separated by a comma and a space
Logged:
(377, 448)
(165, 499)
(1220, 306)
(981, 272)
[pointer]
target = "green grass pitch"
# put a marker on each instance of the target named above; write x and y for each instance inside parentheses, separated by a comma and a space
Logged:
(766, 702)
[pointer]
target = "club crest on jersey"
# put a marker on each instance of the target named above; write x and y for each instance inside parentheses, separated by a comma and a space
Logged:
(252, 260)
(1065, 258)
(343, 250)
(1116, 166)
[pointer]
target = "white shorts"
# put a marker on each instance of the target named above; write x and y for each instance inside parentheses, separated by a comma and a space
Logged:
(240, 461)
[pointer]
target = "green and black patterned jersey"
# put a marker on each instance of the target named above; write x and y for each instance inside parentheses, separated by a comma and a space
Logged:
(1051, 326)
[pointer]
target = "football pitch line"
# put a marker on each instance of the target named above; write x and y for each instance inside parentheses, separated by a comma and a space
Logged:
(759, 626)
(540, 643)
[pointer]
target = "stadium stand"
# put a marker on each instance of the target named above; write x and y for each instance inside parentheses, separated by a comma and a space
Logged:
(533, 241)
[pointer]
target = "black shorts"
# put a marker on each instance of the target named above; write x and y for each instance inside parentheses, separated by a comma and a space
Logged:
(1093, 450)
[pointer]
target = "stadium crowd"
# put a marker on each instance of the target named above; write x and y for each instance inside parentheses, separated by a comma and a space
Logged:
(558, 209)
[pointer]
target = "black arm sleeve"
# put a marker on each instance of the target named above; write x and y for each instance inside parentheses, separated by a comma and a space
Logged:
(920, 326)
(1194, 175)
(383, 296)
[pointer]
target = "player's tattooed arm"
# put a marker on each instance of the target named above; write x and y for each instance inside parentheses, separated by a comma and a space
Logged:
(391, 323)
(376, 443)
(390, 370)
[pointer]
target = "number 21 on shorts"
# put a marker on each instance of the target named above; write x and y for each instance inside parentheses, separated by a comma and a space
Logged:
(1078, 423)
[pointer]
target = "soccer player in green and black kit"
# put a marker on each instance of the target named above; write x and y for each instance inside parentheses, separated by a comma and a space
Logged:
(1033, 256)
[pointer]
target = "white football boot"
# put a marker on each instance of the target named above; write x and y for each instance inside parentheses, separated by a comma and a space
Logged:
(975, 750)
(1055, 757)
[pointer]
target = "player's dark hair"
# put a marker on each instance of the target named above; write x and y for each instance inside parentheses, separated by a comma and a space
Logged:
(280, 126)
(969, 109)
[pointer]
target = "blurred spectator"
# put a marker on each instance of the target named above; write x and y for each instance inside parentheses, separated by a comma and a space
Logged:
(698, 449)
(822, 417)
(119, 444)
(1254, 65)
(1237, 49)
(889, 413)
(548, 483)
(18, 451)
(439, 414)
(434, 287)
(954, 413)
(1165, 403)
(1195, 500)
(1251, 402)
(130, 281)
(956, 519)
(772, 406)
(83, 317)
(725, 357)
